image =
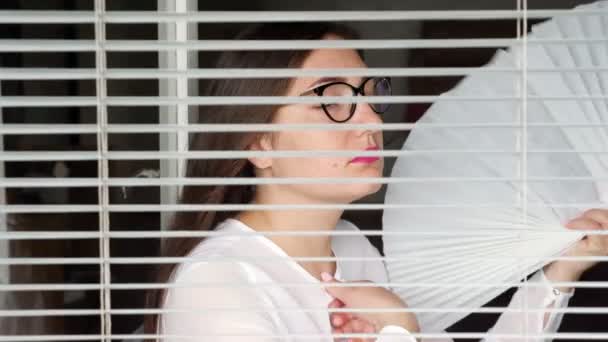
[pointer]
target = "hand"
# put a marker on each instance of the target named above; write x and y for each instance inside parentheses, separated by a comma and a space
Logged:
(361, 297)
(346, 323)
(591, 245)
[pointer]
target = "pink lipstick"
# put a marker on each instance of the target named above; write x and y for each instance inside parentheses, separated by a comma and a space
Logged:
(366, 160)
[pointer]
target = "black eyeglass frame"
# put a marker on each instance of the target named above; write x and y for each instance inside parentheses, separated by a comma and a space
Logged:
(356, 90)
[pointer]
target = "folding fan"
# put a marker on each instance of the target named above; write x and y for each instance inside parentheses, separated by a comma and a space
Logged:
(475, 223)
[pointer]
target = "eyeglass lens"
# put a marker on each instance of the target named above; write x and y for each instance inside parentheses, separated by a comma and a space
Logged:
(342, 111)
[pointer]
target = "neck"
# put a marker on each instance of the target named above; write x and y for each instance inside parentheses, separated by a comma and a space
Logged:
(298, 245)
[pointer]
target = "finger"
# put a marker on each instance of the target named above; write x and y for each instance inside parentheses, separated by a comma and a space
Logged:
(598, 215)
(328, 278)
(338, 292)
(592, 243)
(583, 224)
(343, 293)
(335, 303)
(598, 241)
(338, 331)
(370, 330)
(341, 318)
(350, 330)
(338, 318)
(356, 325)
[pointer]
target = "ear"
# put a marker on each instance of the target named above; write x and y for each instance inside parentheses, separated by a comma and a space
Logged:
(262, 142)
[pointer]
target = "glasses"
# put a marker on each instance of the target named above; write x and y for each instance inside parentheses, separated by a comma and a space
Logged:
(341, 112)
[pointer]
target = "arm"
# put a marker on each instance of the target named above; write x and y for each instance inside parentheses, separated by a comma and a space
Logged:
(238, 324)
(203, 318)
(394, 333)
(559, 299)
(562, 271)
(532, 323)
(376, 271)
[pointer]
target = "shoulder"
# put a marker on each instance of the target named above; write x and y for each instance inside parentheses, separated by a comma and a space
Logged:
(215, 283)
(358, 235)
(217, 270)
(358, 242)
(358, 245)
(219, 257)
(346, 225)
(223, 288)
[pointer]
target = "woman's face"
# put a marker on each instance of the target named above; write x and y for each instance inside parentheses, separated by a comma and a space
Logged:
(319, 140)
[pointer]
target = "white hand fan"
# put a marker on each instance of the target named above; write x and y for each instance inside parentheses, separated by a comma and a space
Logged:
(476, 232)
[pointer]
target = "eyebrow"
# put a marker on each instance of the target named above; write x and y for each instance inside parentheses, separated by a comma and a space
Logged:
(325, 80)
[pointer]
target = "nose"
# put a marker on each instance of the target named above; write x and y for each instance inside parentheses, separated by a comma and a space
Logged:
(365, 114)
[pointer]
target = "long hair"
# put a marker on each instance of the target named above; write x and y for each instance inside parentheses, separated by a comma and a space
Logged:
(232, 114)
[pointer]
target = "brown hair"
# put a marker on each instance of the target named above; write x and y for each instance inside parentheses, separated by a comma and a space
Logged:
(233, 114)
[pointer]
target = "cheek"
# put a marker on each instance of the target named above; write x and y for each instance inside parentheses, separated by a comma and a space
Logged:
(314, 166)
(326, 141)
(310, 165)
(312, 141)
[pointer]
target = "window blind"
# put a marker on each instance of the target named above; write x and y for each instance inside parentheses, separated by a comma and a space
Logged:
(80, 188)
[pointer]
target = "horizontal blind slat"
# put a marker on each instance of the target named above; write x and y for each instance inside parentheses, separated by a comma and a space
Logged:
(139, 234)
(487, 310)
(149, 73)
(148, 286)
(248, 258)
(56, 45)
(134, 17)
(168, 181)
(19, 129)
(155, 155)
(310, 337)
(49, 208)
(507, 337)
(88, 101)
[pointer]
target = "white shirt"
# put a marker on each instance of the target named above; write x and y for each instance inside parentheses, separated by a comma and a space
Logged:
(220, 297)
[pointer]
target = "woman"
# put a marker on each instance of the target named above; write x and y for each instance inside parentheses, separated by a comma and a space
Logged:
(253, 289)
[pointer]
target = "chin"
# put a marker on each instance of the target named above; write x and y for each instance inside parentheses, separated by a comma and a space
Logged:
(374, 187)
(363, 190)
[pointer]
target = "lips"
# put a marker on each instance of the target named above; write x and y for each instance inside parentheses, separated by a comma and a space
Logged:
(366, 159)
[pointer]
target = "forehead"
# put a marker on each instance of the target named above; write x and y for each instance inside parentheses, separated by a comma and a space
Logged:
(333, 58)
(326, 59)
